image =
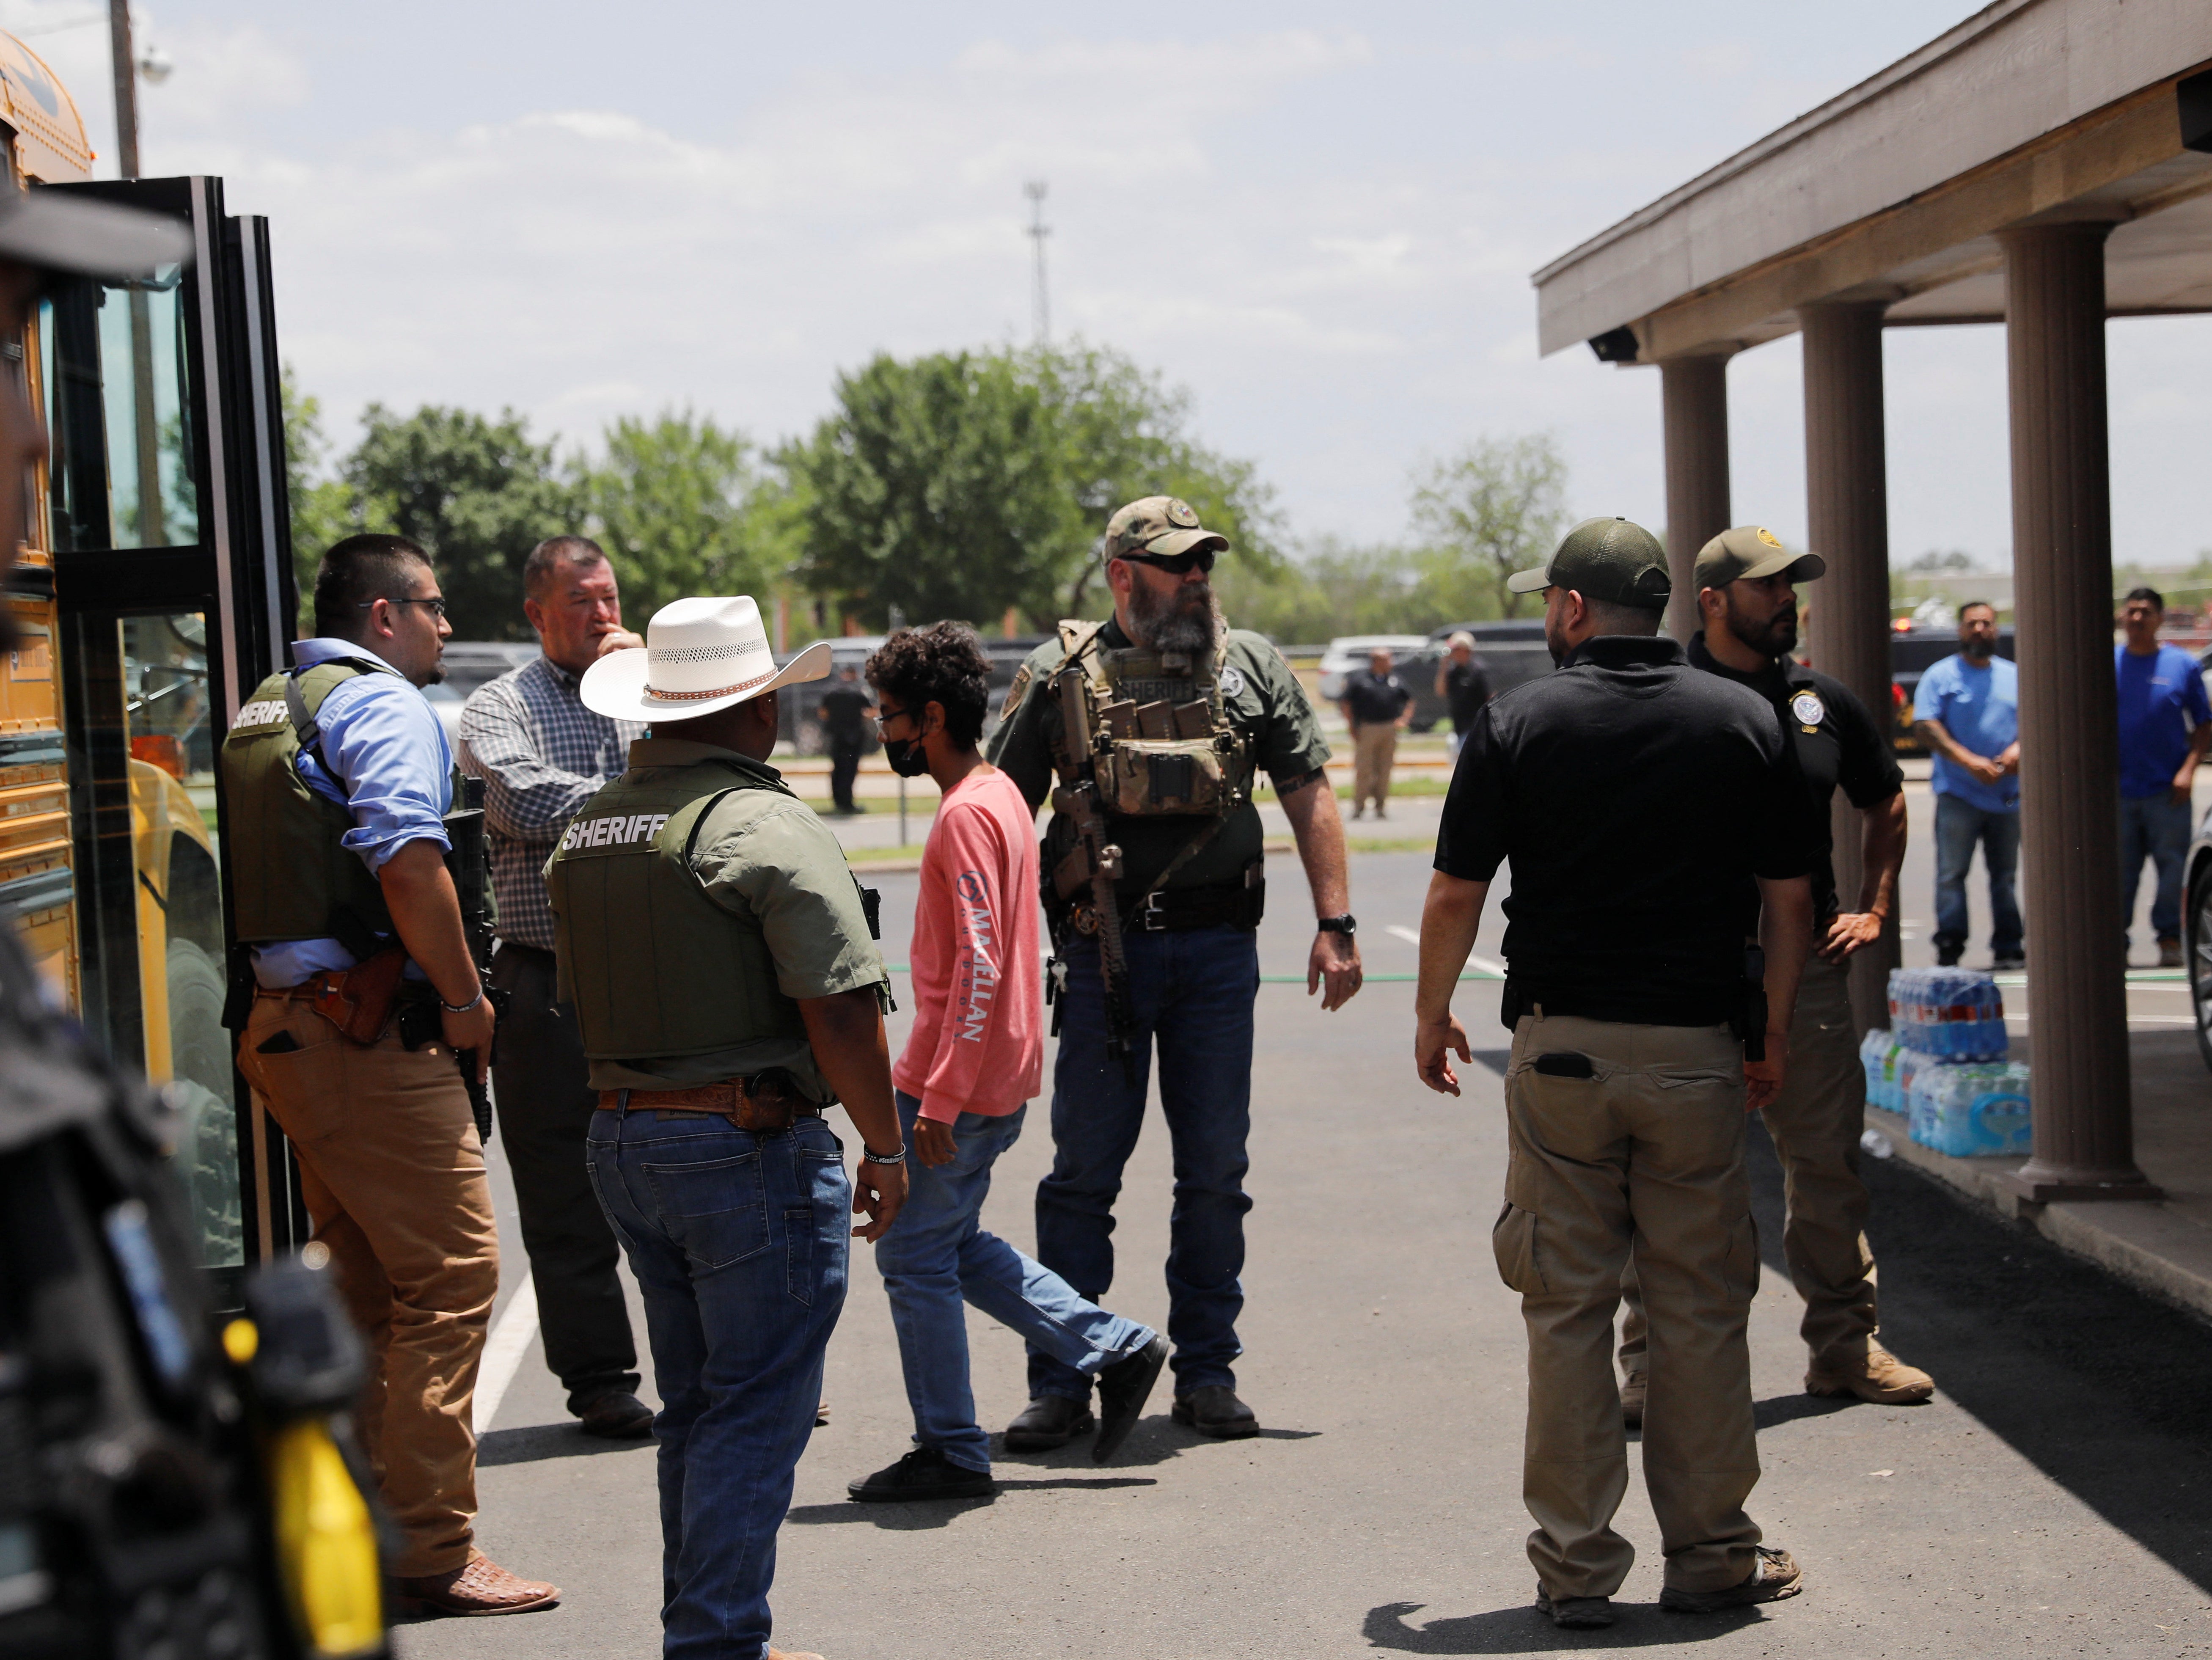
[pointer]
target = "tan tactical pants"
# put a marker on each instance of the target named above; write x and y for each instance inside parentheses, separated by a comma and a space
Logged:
(1647, 1154)
(1373, 750)
(393, 1176)
(1816, 1122)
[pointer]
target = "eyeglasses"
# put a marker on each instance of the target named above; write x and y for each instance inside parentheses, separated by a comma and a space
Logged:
(1174, 565)
(436, 606)
(887, 716)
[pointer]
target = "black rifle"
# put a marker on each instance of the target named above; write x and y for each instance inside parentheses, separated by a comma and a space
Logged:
(469, 859)
(1077, 798)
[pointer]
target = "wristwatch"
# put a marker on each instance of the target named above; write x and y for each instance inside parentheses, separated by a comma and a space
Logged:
(1344, 925)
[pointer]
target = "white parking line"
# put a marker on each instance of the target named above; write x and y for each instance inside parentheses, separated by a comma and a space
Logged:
(1413, 939)
(503, 1351)
(1404, 932)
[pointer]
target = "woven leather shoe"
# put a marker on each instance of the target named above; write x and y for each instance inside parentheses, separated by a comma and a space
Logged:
(1633, 1388)
(1774, 1576)
(1877, 1376)
(481, 1588)
(1048, 1421)
(1214, 1410)
(1123, 1389)
(616, 1416)
(1575, 1613)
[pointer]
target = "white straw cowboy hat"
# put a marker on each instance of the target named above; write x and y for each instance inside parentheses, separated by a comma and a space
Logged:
(700, 655)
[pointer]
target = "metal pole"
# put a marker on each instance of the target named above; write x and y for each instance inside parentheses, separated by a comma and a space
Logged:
(902, 811)
(126, 87)
(1040, 305)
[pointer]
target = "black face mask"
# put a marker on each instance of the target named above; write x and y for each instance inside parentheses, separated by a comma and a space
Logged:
(907, 758)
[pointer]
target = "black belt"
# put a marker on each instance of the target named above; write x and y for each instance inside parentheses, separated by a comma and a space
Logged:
(1175, 910)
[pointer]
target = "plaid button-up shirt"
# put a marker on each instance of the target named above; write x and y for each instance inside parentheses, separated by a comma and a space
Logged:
(541, 755)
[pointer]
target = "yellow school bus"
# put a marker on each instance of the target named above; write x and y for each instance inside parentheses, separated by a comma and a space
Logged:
(155, 589)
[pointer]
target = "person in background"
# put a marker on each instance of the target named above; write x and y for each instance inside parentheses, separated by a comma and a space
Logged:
(2166, 726)
(973, 1061)
(339, 885)
(1967, 710)
(541, 755)
(843, 712)
(1377, 705)
(1463, 684)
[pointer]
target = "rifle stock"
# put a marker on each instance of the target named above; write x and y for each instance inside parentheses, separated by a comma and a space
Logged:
(1079, 799)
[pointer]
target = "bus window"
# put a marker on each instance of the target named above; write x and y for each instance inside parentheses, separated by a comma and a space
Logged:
(113, 362)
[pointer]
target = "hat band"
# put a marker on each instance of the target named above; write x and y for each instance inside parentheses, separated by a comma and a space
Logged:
(719, 691)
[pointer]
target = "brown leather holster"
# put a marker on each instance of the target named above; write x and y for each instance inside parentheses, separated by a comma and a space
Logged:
(359, 1000)
(764, 1103)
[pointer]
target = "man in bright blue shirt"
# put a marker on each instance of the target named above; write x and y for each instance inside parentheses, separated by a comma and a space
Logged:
(1967, 710)
(2166, 724)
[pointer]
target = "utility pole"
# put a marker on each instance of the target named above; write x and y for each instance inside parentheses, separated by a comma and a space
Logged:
(126, 87)
(1040, 305)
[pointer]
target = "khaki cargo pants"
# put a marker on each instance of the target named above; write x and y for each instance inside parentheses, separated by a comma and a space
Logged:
(1647, 1154)
(1373, 752)
(393, 1176)
(1816, 1122)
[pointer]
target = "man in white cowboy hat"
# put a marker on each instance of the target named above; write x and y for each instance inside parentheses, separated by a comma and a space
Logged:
(717, 953)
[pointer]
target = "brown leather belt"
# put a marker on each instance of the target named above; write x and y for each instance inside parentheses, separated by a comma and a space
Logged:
(746, 1105)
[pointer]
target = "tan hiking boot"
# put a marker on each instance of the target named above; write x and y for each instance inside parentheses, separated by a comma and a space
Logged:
(1877, 1376)
(1633, 1387)
(479, 1588)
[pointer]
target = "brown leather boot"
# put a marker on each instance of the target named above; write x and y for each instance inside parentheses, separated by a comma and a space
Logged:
(1877, 1376)
(481, 1587)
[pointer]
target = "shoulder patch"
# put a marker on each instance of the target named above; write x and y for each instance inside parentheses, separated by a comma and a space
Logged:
(1232, 680)
(1810, 710)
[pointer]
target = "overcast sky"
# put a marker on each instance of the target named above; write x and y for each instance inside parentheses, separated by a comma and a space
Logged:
(1321, 218)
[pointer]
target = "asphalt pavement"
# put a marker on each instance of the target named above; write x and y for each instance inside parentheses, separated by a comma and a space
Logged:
(2050, 1500)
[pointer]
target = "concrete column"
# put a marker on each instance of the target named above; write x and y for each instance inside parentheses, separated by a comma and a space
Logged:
(2062, 592)
(1847, 519)
(1693, 395)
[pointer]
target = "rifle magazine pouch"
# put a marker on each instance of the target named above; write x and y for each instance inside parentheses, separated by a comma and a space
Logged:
(1148, 776)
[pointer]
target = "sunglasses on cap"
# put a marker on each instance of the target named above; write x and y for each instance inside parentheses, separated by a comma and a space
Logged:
(1174, 565)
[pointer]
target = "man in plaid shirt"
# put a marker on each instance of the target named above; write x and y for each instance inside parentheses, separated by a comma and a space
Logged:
(541, 755)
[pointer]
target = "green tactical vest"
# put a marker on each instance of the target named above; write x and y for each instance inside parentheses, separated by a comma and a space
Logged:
(289, 878)
(654, 967)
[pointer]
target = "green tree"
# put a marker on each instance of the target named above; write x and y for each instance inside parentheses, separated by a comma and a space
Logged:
(477, 494)
(681, 507)
(322, 507)
(960, 483)
(1497, 507)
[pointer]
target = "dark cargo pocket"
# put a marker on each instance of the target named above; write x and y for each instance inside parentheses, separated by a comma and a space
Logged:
(1514, 1240)
(1742, 1272)
(716, 1209)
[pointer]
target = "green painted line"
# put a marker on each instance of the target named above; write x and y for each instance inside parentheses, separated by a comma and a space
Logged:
(1299, 979)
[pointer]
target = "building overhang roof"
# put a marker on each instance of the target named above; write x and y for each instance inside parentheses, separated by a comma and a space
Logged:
(2028, 111)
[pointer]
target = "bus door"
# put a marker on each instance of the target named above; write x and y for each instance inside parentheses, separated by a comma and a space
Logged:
(162, 593)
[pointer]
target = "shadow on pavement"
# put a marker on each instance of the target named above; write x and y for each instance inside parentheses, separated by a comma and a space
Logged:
(2101, 1386)
(936, 1513)
(530, 1442)
(1522, 1630)
(1778, 1409)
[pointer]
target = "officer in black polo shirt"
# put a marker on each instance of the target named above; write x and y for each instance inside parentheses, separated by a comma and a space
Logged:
(1636, 800)
(1746, 595)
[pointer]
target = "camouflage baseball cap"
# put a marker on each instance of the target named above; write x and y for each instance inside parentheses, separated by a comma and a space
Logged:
(1162, 526)
(1755, 551)
(1608, 559)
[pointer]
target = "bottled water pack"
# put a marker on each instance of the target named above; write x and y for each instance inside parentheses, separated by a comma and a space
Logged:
(1967, 1109)
(1949, 1013)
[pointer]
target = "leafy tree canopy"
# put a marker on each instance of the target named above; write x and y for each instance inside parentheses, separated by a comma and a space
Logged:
(1497, 507)
(683, 507)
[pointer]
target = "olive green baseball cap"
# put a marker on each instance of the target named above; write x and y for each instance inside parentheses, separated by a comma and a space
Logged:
(1159, 526)
(1755, 551)
(1609, 559)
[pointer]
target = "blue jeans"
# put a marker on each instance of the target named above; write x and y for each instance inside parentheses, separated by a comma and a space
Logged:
(936, 1255)
(737, 1241)
(1192, 993)
(1959, 826)
(2156, 828)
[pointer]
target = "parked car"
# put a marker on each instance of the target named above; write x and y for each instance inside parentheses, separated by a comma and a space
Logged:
(1511, 651)
(1912, 653)
(471, 664)
(2197, 935)
(1349, 652)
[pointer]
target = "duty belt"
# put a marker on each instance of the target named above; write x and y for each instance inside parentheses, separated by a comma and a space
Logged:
(763, 1103)
(1174, 910)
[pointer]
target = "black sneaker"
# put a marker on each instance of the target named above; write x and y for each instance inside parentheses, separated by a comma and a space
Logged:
(1947, 956)
(924, 1473)
(618, 1415)
(1774, 1575)
(2010, 965)
(1575, 1613)
(1048, 1421)
(1123, 1387)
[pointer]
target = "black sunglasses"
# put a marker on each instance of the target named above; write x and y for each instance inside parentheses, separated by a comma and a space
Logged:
(1174, 565)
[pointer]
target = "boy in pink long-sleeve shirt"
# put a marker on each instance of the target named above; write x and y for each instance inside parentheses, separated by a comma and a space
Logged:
(976, 1056)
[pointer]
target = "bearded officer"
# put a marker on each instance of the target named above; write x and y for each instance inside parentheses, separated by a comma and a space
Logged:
(717, 953)
(1148, 731)
(1747, 597)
